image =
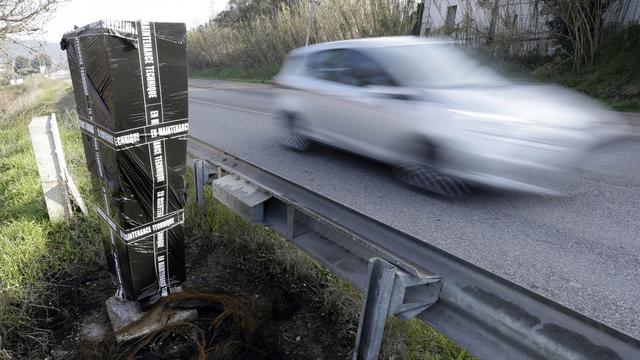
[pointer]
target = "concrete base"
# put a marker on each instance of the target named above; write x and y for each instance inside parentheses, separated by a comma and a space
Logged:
(129, 321)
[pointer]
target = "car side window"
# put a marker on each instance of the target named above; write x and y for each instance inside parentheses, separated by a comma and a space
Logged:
(330, 65)
(317, 65)
(367, 72)
(347, 67)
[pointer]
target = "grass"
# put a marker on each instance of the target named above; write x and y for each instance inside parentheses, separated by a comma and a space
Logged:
(261, 74)
(33, 251)
(265, 252)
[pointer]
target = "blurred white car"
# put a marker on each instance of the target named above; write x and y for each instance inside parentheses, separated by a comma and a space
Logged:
(442, 118)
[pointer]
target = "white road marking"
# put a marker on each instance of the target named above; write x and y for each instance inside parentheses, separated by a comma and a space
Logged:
(227, 87)
(232, 107)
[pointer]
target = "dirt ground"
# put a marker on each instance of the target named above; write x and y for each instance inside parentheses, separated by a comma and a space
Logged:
(296, 326)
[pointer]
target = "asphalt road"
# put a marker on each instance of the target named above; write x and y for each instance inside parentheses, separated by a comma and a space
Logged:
(581, 250)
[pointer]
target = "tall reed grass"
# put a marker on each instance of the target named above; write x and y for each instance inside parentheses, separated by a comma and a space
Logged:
(266, 39)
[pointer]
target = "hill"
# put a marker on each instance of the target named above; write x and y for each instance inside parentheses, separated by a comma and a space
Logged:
(32, 47)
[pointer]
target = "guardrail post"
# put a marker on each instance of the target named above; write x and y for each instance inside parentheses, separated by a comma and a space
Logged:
(290, 221)
(384, 296)
(200, 178)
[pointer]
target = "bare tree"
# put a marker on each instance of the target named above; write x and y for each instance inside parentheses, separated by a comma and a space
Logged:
(24, 17)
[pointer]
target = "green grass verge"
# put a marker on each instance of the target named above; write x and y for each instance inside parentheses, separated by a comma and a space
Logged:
(259, 74)
(268, 254)
(33, 251)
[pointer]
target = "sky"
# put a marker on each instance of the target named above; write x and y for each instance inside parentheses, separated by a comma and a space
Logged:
(82, 12)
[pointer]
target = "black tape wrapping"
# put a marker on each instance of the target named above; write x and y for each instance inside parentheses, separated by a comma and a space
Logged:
(130, 236)
(135, 137)
(115, 68)
(117, 28)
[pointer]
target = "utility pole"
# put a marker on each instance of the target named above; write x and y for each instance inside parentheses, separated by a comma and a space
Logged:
(312, 10)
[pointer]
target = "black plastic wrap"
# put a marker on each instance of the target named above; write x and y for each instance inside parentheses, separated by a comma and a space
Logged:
(130, 85)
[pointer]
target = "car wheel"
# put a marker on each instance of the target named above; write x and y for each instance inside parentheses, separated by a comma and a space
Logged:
(426, 175)
(292, 138)
(427, 178)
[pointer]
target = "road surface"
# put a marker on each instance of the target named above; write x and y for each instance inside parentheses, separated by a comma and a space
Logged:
(581, 250)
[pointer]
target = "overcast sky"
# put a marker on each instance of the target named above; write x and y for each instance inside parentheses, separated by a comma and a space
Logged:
(81, 12)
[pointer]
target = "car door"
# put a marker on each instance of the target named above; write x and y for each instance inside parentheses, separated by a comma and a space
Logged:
(372, 114)
(325, 111)
(343, 109)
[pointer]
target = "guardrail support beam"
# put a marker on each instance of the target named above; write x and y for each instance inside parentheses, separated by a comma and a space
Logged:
(385, 295)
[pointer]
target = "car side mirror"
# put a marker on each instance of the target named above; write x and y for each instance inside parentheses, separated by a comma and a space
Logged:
(393, 92)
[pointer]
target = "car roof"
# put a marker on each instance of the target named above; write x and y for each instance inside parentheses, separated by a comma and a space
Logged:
(374, 42)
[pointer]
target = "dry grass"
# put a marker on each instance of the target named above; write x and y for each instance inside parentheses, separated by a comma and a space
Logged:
(266, 39)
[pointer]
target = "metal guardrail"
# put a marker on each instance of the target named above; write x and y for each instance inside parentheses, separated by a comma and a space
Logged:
(489, 316)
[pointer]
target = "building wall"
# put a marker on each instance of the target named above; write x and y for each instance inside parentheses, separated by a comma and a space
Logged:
(624, 11)
(519, 20)
(522, 13)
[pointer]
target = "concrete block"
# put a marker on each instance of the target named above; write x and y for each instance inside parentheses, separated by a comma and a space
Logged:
(129, 321)
(45, 140)
(241, 196)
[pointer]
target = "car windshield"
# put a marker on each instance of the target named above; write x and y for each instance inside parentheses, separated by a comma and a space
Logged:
(437, 65)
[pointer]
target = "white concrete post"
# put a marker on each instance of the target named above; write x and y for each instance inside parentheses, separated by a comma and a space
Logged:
(70, 186)
(47, 147)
